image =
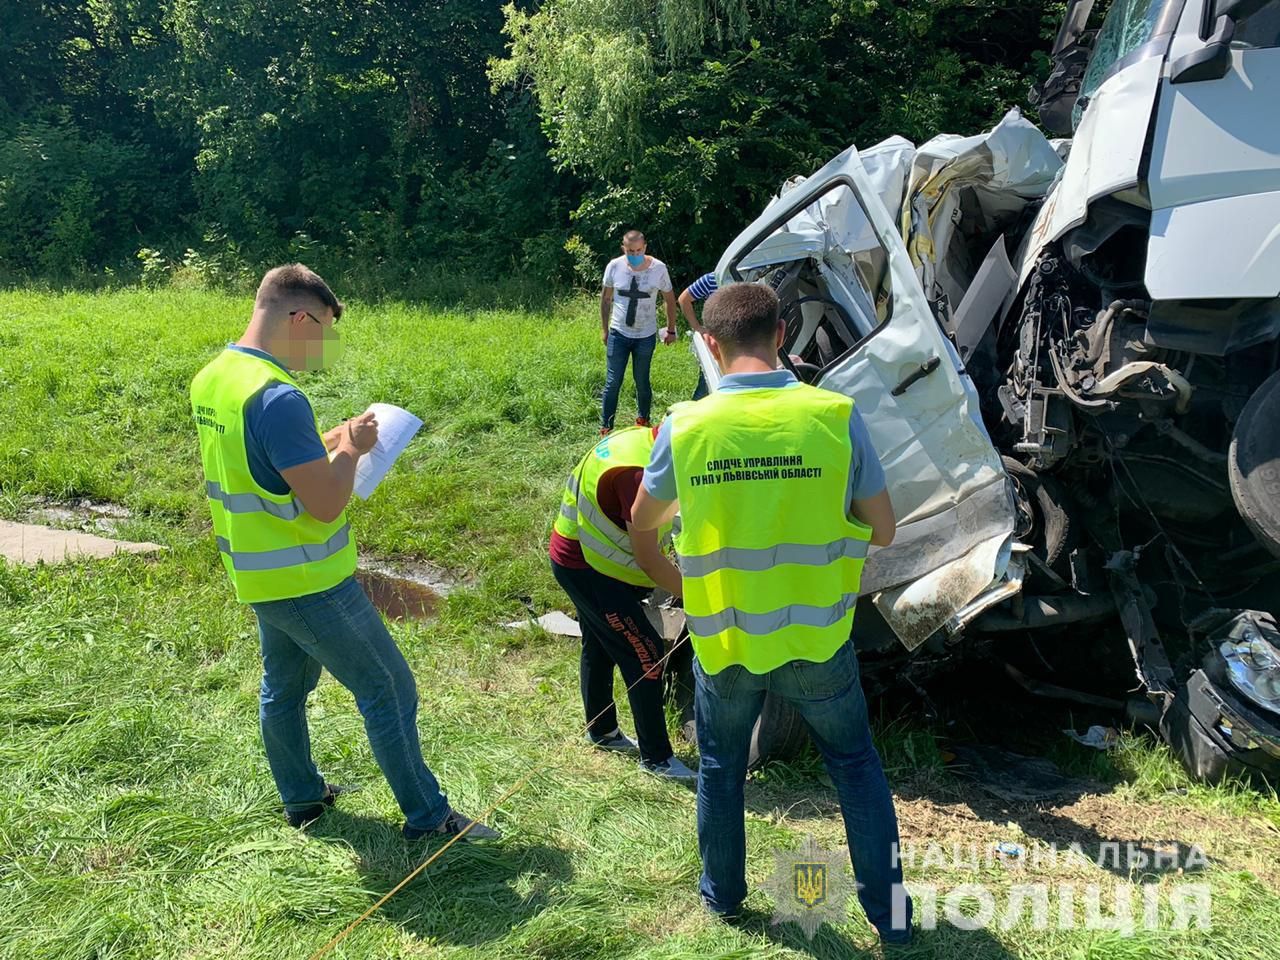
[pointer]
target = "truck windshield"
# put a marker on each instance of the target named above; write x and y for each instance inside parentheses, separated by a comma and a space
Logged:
(1128, 25)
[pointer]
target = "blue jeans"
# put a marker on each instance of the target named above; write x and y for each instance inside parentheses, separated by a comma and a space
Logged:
(829, 697)
(619, 349)
(341, 631)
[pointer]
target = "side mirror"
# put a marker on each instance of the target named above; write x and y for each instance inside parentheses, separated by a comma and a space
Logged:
(1212, 61)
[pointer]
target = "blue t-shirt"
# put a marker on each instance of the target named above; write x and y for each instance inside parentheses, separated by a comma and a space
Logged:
(866, 476)
(279, 429)
(703, 287)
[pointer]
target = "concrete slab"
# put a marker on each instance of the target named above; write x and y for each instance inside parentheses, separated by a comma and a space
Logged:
(30, 543)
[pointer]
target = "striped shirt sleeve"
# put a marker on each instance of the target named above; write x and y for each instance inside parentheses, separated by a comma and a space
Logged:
(703, 287)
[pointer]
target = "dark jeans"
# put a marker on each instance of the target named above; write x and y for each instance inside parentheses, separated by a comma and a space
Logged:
(615, 632)
(829, 697)
(619, 350)
(341, 631)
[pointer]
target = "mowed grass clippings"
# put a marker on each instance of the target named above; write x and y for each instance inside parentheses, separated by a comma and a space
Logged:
(137, 815)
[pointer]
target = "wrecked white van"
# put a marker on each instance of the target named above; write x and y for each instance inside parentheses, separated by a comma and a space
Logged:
(1066, 354)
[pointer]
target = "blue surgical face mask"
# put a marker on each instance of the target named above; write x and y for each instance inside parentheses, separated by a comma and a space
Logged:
(635, 259)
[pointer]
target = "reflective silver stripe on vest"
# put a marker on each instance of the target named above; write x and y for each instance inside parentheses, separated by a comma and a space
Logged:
(252, 503)
(570, 511)
(757, 559)
(617, 536)
(255, 561)
(609, 552)
(762, 624)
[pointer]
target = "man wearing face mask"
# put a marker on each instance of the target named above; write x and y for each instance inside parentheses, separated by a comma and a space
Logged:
(629, 323)
(278, 490)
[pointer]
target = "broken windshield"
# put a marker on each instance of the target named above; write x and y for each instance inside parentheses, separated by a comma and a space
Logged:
(1128, 25)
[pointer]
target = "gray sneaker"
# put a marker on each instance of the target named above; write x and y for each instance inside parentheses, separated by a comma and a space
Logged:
(617, 741)
(454, 823)
(673, 769)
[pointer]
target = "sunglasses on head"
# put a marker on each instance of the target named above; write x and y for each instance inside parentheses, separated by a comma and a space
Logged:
(308, 315)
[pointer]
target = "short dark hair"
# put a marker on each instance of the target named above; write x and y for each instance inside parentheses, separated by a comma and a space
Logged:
(742, 316)
(294, 279)
(631, 236)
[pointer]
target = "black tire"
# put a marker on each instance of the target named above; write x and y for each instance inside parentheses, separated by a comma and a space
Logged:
(1253, 463)
(779, 734)
(1051, 534)
(680, 688)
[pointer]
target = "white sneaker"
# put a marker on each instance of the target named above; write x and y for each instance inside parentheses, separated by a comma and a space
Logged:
(673, 769)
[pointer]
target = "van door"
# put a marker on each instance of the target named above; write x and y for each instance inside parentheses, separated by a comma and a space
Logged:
(859, 323)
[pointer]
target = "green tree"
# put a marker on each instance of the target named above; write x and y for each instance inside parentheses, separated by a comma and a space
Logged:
(682, 116)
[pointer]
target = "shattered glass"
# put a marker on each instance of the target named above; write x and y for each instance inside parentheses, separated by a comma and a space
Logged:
(1128, 25)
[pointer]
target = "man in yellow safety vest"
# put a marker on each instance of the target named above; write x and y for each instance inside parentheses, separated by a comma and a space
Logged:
(278, 490)
(606, 568)
(780, 495)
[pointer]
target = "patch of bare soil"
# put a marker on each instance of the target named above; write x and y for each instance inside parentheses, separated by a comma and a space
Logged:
(957, 816)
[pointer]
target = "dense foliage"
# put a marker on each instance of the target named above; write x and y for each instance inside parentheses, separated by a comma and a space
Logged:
(394, 142)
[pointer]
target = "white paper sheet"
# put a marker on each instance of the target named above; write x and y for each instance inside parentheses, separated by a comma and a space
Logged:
(396, 427)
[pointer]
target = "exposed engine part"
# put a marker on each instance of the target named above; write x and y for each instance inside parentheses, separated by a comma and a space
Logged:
(1040, 688)
(1086, 394)
(1053, 611)
(1149, 655)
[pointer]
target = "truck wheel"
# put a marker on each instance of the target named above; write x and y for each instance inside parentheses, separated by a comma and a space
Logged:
(779, 734)
(1046, 525)
(1253, 463)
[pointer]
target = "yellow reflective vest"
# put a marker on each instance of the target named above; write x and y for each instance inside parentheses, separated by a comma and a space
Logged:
(770, 559)
(606, 546)
(271, 547)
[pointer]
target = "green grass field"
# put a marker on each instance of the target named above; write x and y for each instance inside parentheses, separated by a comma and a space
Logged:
(137, 815)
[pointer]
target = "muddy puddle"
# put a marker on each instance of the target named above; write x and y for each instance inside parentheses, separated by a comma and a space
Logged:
(405, 591)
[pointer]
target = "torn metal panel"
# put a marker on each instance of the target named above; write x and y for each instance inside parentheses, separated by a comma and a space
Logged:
(1003, 589)
(984, 301)
(915, 611)
(967, 188)
(929, 543)
(1149, 656)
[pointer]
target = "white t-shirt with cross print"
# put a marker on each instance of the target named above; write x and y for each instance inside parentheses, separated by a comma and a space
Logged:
(635, 295)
